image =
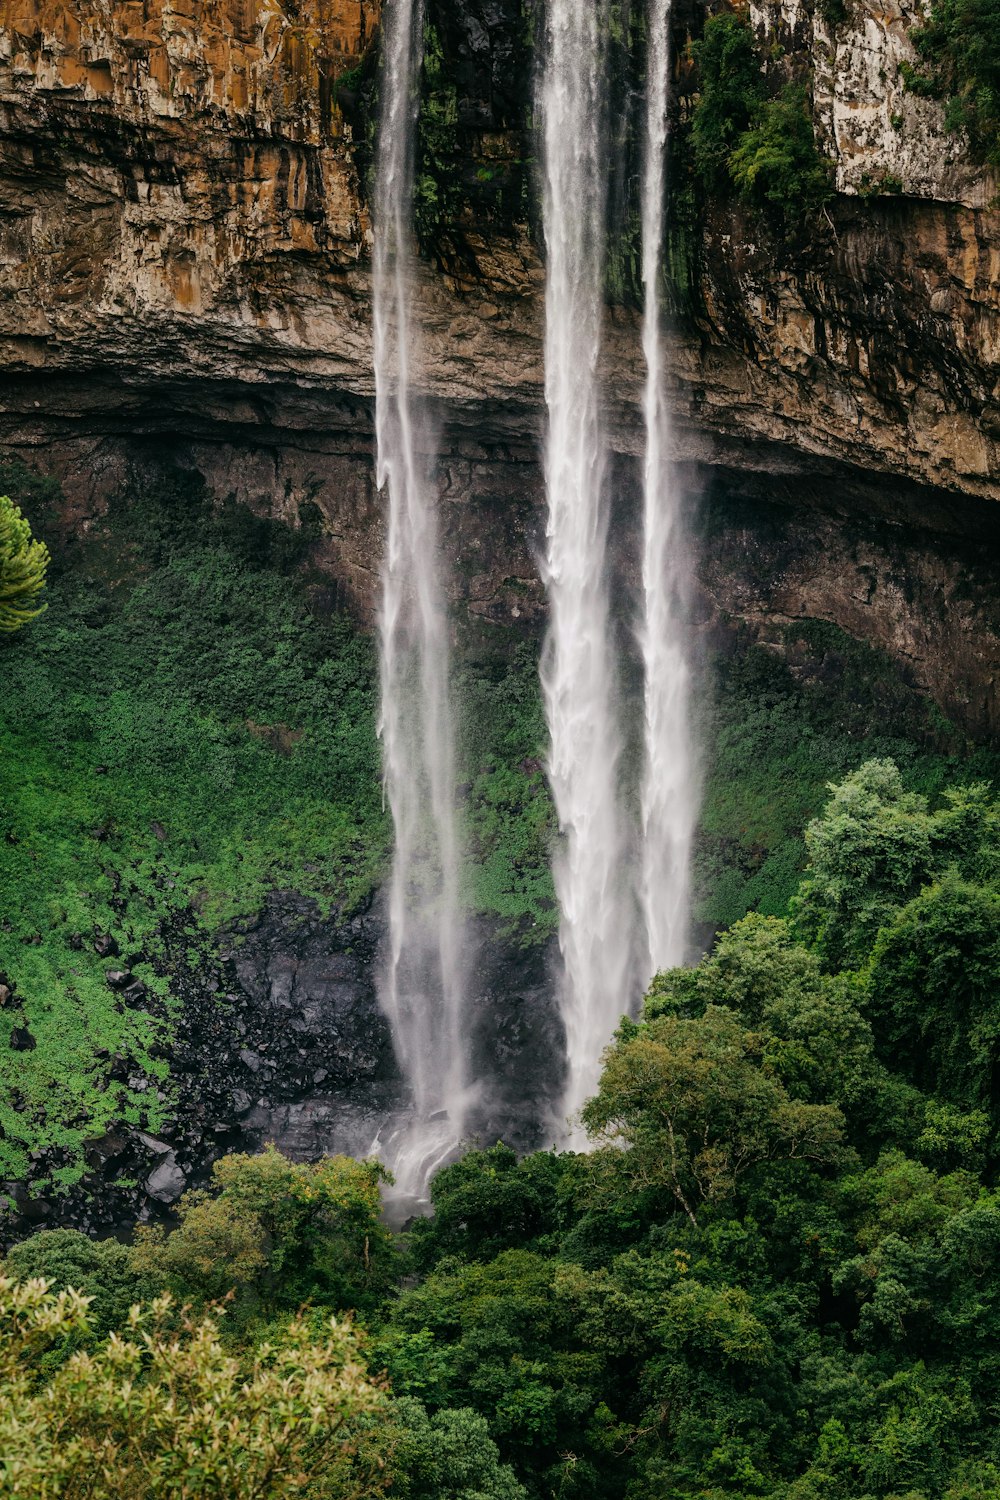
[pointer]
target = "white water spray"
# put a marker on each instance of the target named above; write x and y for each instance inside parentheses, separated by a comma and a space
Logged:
(578, 675)
(669, 791)
(422, 989)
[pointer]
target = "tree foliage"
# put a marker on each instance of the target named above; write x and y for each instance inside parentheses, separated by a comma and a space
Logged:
(23, 566)
(960, 46)
(278, 1233)
(154, 1412)
(742, 138)
(776, 163)
(777, 1276)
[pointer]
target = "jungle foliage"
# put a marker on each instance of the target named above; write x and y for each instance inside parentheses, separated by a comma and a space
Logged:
(775, 1277)
(747, 139)
(192, 724)
(960, 49)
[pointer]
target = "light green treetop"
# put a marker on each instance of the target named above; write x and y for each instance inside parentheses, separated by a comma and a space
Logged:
(23, 565)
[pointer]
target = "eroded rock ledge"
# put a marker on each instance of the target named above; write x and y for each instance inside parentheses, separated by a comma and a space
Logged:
(185, 267)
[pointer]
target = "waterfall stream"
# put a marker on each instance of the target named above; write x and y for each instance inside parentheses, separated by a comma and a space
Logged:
(423, 980)
(578, 670)
(669, 792)
(605, 954)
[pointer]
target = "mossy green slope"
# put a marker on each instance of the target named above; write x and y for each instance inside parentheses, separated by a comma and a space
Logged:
(187, 728)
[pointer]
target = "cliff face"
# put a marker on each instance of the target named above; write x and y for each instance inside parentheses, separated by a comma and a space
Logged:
(174, 177)
(184, 262)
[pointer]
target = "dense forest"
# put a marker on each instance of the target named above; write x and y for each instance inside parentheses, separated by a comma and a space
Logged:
(775, 1275)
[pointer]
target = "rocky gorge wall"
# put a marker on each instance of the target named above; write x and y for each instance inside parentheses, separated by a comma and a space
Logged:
(184, 259)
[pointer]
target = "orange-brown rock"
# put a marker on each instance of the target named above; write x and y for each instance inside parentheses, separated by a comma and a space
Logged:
(170, 169)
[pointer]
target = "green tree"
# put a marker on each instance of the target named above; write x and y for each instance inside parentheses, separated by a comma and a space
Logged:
(447, 1456)
(869, 853)
(23, 566)
(516, 1339)
(933, 989)
(697, 1108)
(102, 1270)
(490, 1201)
(278, 1233)
(731, 89)
(175, 1415)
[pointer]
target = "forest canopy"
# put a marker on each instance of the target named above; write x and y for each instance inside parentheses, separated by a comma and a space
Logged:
(777, 1274)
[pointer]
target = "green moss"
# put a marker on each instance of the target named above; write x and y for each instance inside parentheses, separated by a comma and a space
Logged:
(510, 817)
(437, 195)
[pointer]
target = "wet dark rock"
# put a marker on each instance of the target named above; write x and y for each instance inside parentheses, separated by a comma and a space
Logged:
(282, 1039)
(105, 1148)
(105, 946)
(21, 1040)
(158, 1148)
(166, 1182)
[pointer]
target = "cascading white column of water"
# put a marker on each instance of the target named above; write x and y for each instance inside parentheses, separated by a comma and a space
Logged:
(669, 790)
(578, 673)
(423, 982)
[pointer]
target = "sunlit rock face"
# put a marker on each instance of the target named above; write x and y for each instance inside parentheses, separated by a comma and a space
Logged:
(174, 178)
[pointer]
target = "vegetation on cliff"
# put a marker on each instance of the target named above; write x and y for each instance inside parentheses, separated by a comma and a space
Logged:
(960, 46)
(747, 139)
(775, 1278)
(190, 726)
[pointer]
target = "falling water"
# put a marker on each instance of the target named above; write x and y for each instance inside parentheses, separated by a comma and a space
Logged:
(578, 670)
(423, 980)
(669, 791)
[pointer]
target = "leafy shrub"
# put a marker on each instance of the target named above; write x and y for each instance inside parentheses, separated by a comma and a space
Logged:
(776, 163)
(731, 92)
(764, 147)
(157, 1413)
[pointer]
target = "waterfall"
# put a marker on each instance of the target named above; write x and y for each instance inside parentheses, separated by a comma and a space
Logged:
(669, 791)
(578, 675)
(423, 981)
